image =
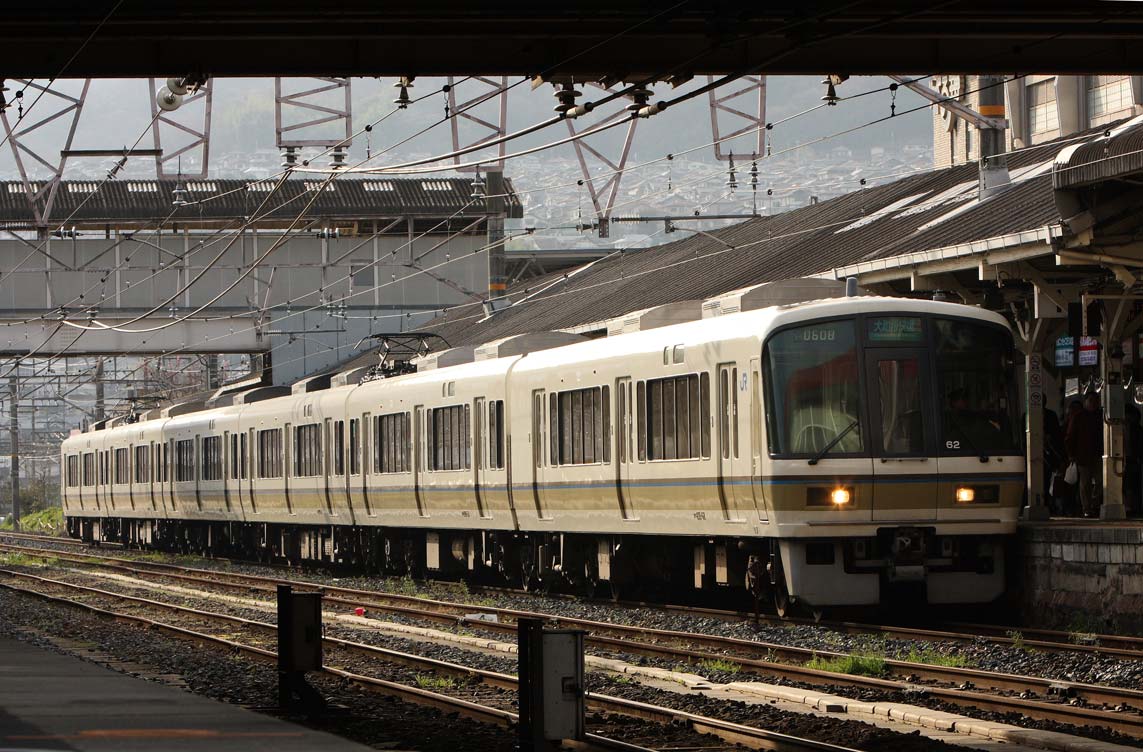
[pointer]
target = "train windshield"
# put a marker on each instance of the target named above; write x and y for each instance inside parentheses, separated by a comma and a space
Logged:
(814, 382)
(974, 367)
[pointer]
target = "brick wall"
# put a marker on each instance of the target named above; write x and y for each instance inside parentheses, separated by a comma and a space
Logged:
(1088, 576)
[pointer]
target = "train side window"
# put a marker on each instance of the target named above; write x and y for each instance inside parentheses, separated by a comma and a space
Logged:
(391, 442)
(212, 458)
(449, 438)
(580, 422)
(355, 446)
(307, 450)
(122, 466)
(142, 464)
(72, 470)
(184, 460)
(680, 414)
(89, 469)
(270, 453)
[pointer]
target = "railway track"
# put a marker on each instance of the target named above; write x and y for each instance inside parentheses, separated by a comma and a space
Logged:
(1073, 703)
(1046, 640)
(258, 636)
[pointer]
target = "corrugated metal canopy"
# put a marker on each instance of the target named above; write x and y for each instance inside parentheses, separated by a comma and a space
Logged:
(926, 211)
(211, 200)
(1118, 153)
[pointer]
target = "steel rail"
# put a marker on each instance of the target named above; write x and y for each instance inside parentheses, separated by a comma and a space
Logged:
(634, 640)
(912, 673)
(754, 738)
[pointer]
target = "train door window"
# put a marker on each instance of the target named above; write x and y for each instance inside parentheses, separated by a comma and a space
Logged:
(496, 434)
(233, 449)
(641, 419)
(307, 450)
(899, 391)
(142, 464)
(537, 424)
(621, 434)
(184, 460)
(339, 447)
(355, 446)
(89, 469)
(704, 415)
(122, 466)
(734, 409)
(270, 453)
(724, 411)
(553, 429)
(603, 438)
(242, 456)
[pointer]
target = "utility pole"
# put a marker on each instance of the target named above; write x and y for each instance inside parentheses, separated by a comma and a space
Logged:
(993, 162)
(99, 389)
(14, 440)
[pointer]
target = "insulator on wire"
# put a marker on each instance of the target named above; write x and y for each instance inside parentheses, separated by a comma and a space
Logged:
(754, 174)
(639, 99)
(403, 85)
(732, 177)
(565, 98)
(830, 97)
(477, 187)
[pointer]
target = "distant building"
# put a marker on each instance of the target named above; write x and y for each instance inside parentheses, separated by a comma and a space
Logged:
(1039, 108)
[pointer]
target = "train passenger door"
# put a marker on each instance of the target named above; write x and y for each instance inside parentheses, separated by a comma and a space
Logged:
(733, 468)
(904, 471)
(419, 459)
(624, 446)
(754, 409)
(228, 489)
(537, 437)
(479, 455)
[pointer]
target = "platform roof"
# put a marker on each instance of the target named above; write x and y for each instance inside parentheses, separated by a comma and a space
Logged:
(896, 228)
(94, 202)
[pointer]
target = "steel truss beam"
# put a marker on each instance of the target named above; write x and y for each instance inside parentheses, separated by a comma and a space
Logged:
(493, 123)
(42, 194)
(181, 126)
(299, 115)
(739, 112)
(603, 194)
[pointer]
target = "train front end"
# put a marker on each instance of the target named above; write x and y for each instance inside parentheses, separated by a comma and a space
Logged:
(894, 458)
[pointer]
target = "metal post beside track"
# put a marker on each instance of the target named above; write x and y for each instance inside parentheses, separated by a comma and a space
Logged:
(299, 650)
(551, 685)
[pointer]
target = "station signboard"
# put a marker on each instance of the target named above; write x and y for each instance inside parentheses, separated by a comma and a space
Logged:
(1065, 352)
(1088, 351)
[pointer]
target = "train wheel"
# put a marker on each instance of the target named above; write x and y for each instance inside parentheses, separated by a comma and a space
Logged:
(782, 605)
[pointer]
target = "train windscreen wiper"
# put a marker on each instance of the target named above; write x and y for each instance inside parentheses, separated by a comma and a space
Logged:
(825, 450)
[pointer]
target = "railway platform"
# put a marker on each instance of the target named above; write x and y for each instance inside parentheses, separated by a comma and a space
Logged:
(1082, 575)
(52, 701)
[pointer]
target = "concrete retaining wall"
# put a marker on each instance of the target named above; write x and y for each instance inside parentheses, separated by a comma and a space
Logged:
(1082, 577)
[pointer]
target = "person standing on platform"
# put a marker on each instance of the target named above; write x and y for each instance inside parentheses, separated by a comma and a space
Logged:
(1132, 458)
(1085, 448)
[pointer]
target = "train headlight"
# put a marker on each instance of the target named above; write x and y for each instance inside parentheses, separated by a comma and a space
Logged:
(840, 497)
(965, 495)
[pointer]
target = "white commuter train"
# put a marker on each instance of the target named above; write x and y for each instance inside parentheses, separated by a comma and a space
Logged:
(818, 452)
